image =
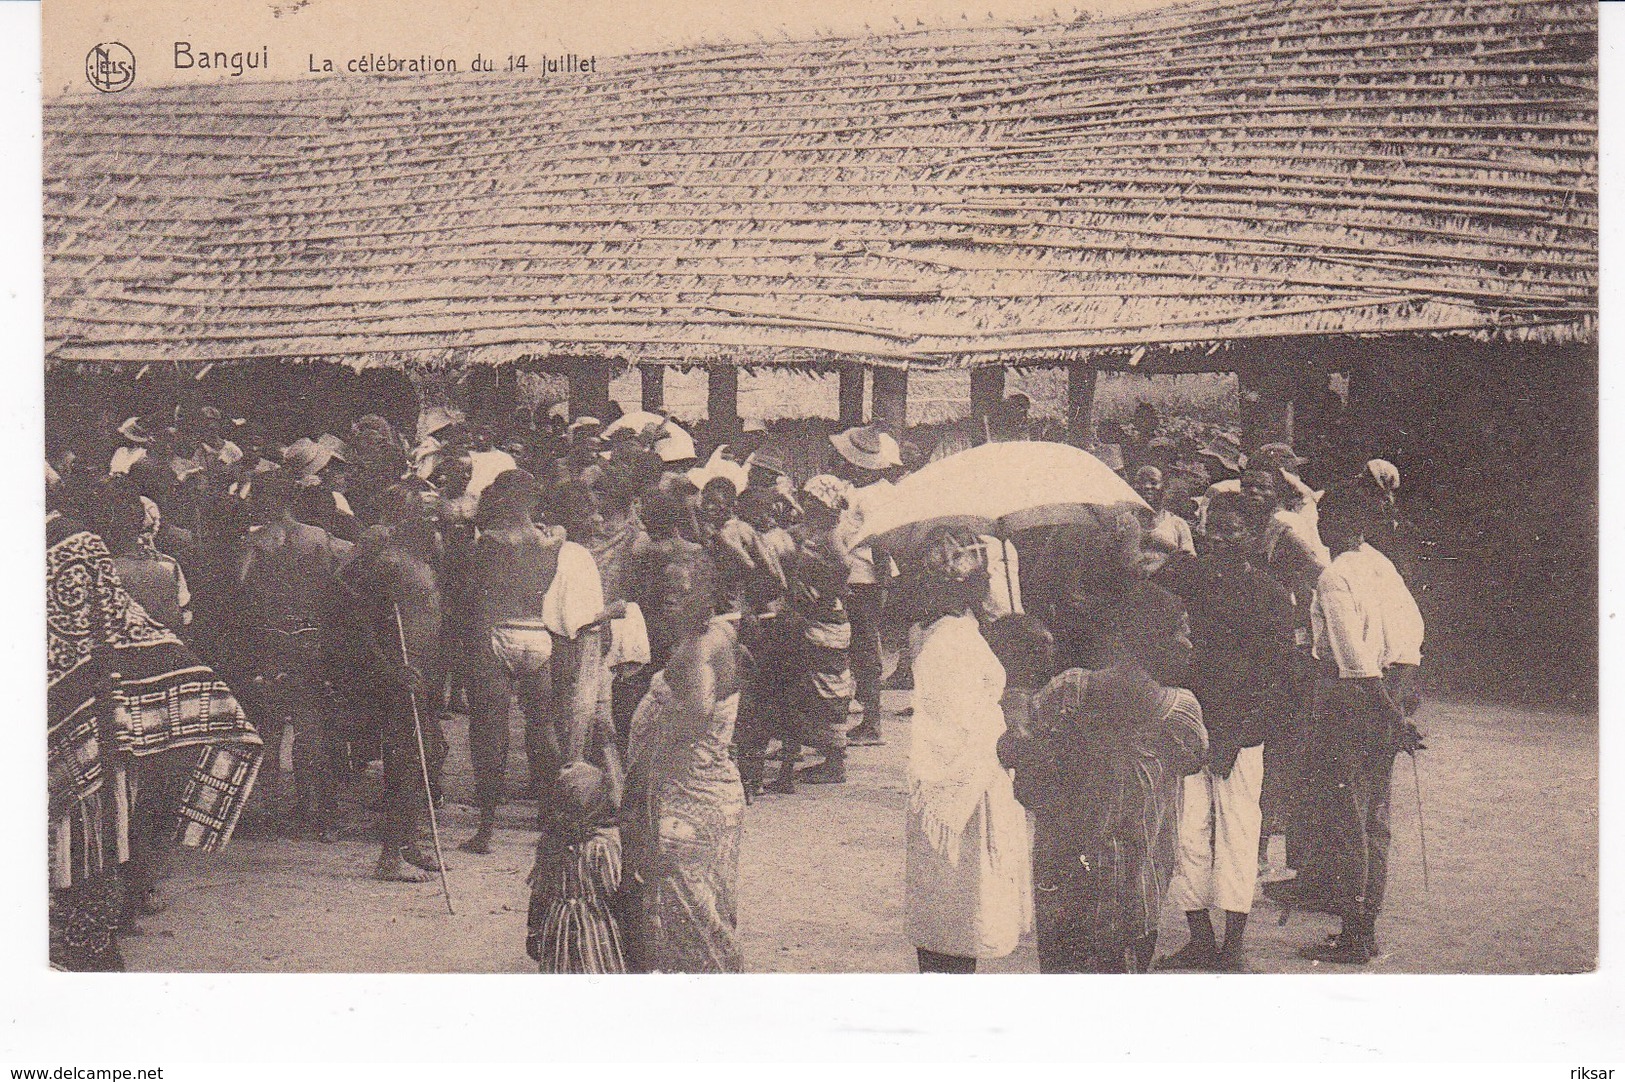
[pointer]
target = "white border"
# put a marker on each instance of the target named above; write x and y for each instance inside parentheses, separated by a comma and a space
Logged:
(343, 1023)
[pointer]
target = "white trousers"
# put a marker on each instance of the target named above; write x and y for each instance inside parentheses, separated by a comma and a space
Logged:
(1219, 823)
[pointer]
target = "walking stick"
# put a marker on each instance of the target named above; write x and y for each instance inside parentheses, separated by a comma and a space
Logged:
(423, 762)
(1421, 824)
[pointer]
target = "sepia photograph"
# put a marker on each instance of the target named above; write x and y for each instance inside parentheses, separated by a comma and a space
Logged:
(801, 489)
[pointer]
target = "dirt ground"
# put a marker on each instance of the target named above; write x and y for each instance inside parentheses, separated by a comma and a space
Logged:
(1510, 798)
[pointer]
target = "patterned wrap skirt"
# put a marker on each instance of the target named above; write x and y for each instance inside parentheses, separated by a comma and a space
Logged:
(571, 927)
(688, 858)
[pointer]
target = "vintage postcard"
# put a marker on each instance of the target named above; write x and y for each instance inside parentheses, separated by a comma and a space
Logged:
(797, 489)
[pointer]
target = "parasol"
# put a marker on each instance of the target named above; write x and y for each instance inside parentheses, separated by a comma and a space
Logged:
(638, 421)
(1000, 488)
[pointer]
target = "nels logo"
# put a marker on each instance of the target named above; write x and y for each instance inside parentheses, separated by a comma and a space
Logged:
(110, 67)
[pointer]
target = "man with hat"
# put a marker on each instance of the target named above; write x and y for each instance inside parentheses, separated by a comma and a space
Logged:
(1287, 546)
(766, 469)
(1366, 628)
(1241, 633)
(866, 454)
(133, 442)
(322, 473)
(436, 427)
(586, 442)
(1224, 455)
(675, 448)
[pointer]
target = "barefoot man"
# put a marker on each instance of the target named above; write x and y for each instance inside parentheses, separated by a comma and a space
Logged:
(535, 595)
(394, 572)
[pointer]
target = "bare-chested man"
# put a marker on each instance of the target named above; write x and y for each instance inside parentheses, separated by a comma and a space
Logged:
(395, 594)
(537, 603)
(287, 575)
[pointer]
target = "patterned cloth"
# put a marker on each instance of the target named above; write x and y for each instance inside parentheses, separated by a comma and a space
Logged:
(818, 590)
(121, 687)
(571, 926)
(681, 823)
(84, 921)
(1102, 774)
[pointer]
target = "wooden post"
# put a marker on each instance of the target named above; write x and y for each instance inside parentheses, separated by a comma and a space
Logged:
(1080, 402)
(1266, 407)
(986, 392)
(652, 381)
(851, 394)
(589, 386)
(722, 397)
(891, 399)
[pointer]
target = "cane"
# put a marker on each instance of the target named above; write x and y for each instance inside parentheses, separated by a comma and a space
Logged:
(1421, 824)
(423, 761)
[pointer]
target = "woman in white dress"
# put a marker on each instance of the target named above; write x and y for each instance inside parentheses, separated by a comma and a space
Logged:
(967, 891)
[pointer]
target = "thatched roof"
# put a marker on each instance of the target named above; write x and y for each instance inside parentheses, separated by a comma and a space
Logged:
(1199, 176)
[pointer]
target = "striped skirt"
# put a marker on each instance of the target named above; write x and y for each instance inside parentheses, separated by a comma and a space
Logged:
(571, 928)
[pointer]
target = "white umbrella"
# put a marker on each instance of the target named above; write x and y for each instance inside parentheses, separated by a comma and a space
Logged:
(998, 488)
(636, 421)
(1005, 487)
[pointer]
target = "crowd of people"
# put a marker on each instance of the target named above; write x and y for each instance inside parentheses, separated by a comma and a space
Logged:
(1106, 717)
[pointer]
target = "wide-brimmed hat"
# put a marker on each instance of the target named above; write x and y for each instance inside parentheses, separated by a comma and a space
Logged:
(216, 415)
(675, 445)
(1276, 456)
(1225, 448)
(438, 419)
(133, 430)
(1162, 445)
(719, 465)
(868, 448)
(1385, 473)
(583, 425)
(125, 458)
(770, 459)
(334, 446)
(375, 426)
(307, 457)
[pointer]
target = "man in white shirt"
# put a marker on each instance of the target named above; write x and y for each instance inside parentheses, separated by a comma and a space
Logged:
(866, 455)
(1366, 627)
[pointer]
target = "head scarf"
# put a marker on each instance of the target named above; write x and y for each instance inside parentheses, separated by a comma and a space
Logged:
(828, 490)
